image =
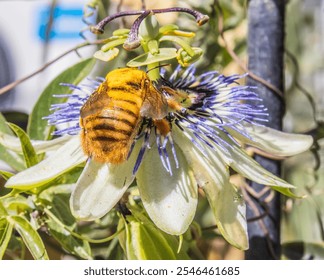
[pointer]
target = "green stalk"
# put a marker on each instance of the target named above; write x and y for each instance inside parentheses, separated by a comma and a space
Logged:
(153, 70)
(180, 42)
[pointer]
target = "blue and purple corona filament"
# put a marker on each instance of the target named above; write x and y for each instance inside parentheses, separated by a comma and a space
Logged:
(214, 104)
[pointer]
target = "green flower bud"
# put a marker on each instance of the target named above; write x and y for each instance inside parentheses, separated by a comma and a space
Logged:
(108, 55)
(184, 59)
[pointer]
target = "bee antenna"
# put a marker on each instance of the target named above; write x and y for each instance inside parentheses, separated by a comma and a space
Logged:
(159, 66)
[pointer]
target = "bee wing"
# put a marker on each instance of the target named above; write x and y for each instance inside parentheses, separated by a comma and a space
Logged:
(154, 105)
(96, 102)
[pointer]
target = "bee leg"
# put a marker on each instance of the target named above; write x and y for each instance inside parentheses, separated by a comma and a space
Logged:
(163, 126)
(163, 131)
(176, 106)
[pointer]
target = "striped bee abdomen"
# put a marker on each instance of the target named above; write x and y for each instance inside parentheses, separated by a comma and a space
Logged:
(111, 117)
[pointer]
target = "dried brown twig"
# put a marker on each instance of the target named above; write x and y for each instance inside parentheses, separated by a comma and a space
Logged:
(19, 81)
(258, 217)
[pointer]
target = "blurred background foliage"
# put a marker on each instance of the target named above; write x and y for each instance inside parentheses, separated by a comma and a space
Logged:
(302, 220)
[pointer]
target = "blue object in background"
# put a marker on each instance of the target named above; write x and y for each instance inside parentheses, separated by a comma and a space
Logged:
(67, 23)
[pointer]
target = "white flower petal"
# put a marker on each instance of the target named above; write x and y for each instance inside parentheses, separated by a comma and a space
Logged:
(204, 169)
(170, 201)
(228, 207)
(274, 141)
(65, 158)
(249, 168)
(100, 187)
(230, 213)
(13, 143)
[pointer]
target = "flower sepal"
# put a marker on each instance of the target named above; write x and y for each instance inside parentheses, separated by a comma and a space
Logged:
(148, 58)
(273, 141)
(250, 169)
(14, 144)
(61, 161)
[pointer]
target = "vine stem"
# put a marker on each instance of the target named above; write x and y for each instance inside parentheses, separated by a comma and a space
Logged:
(41, 69)
(82, 237)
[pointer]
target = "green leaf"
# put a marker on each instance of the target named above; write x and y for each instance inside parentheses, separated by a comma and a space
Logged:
(37, 126)
(4, 126)
(146, 244)
(5, 174)
(17, 204)
(148, 58)
(3, 211)
(11, 158)
(30, 237)
(27, 148)
(5, 235)
(78, 247)
(58, 199)
(303, 219)
(122, 227)
(60, 220)
(17, 118)
(144, 241)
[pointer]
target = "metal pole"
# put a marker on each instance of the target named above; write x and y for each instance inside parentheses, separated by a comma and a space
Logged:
(265, 54)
